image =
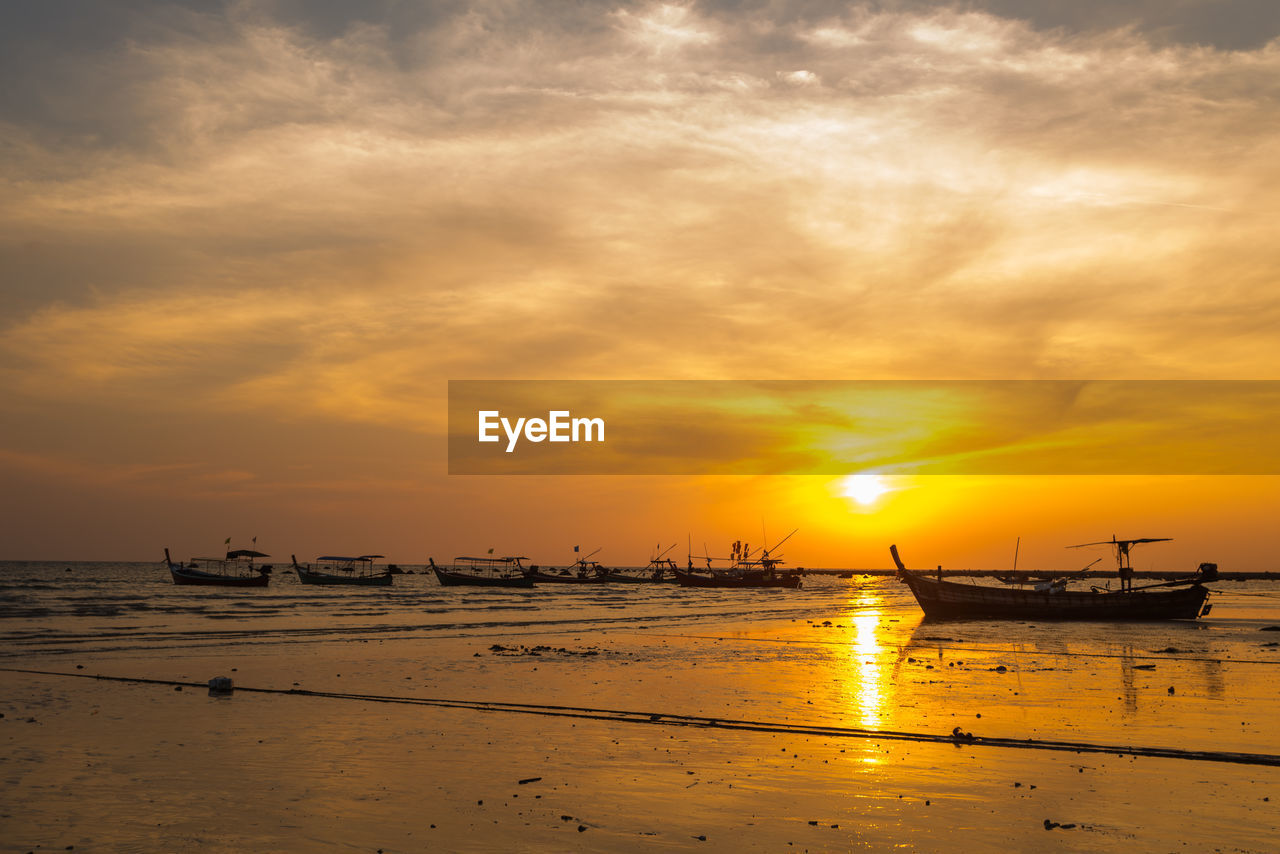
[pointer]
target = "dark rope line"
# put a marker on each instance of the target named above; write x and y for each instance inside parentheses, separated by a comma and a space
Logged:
(663, 719)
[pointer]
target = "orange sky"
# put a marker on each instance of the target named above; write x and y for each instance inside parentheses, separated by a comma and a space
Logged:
(246, 245)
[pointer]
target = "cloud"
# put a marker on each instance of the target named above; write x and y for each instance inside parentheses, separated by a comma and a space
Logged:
(550, 174)
(262, 207)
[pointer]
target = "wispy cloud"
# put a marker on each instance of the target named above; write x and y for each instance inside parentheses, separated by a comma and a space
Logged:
(329, 216)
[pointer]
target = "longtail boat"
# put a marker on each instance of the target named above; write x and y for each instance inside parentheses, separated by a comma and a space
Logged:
(581, 571)
(744, 570)
(235, 570)
(331, 569)
(660, 570)
(482, 572)
(1183, 599)
(739, 577)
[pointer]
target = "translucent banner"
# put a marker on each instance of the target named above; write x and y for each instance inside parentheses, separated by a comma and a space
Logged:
(843, 427)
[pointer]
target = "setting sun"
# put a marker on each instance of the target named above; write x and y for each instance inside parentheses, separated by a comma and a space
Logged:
(863, 488)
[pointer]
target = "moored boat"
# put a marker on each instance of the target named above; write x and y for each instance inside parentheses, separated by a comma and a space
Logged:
(235, 570)
(482, 572)
(1184, 599)
(660, 570)
(332, 569)
(581, 571)
(741, 576)
(744, 570)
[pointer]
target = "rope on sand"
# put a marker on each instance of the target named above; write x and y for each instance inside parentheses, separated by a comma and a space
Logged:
(956, 738)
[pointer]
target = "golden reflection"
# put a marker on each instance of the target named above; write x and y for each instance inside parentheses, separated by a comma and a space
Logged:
(868, 691)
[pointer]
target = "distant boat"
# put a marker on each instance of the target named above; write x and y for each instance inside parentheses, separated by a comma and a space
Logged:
(739, 576)
(1184, 599)
(581, 571)
(744, 570)
(235, 570)
(657, 572)
(331, 569)
(482, 572)
(660, 570)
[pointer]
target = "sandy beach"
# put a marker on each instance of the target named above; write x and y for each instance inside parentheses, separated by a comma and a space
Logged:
(619, 719)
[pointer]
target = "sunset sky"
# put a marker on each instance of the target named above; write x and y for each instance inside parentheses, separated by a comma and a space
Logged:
(245, 246)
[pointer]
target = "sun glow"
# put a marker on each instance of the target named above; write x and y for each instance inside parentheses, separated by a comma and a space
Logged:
(863, 488)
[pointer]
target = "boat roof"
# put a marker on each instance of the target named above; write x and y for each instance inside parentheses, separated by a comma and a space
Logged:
(361, 557)
(491, 557)
(237, 553)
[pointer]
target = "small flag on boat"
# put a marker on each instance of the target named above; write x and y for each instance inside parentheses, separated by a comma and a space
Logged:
(228, 542)
(575, 548)
(490, 551)
(255, 541)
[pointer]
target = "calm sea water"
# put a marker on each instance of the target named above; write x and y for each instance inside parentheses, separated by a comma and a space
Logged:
(867, 632)
(87, 607)
(53, 607)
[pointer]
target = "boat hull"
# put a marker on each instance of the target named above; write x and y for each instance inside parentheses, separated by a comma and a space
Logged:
(624, 578)
(694, 579)
(308, 577)
(464, 579)
(948, 600)
(186, 575)
(552, 578)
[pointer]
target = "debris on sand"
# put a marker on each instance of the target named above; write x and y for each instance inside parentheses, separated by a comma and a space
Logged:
(540, 650)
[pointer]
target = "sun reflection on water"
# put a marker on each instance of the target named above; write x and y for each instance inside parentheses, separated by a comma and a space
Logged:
(869, 690)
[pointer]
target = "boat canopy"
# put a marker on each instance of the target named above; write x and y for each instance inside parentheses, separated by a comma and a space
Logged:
(347, 559)
(239, 553)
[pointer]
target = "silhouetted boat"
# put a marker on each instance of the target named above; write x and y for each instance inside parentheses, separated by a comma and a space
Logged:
(482, 572)
(743, 571)
(581, 571)
(234, 570)
(1184, 599)
(738, 577)
(660, 570)
(331, 569)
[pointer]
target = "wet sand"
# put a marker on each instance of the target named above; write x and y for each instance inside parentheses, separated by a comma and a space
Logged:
(109, 765)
